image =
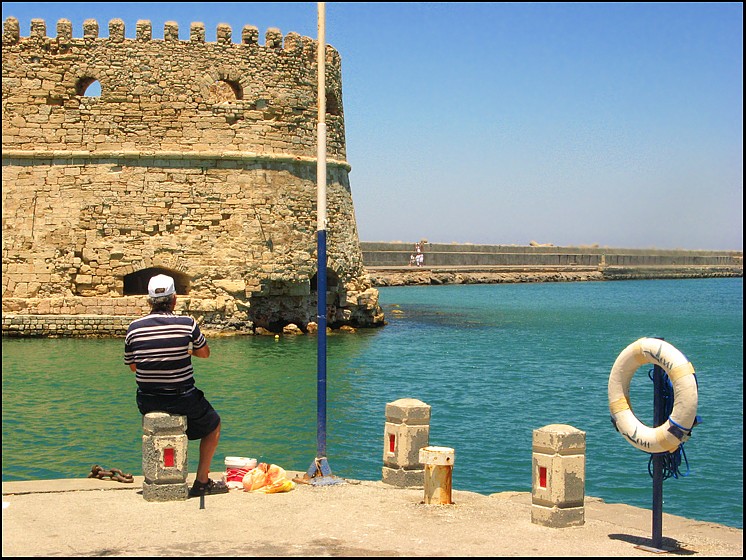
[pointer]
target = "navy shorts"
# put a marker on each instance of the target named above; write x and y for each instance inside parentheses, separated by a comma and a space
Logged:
(202, 419)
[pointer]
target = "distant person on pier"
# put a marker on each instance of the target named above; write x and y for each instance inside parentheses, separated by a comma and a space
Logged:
(159, 349)
(419, 257)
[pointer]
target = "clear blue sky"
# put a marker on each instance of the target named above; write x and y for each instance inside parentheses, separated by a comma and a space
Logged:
(571, 124)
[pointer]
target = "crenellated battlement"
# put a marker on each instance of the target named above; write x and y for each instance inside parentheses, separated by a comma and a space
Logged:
(144, 32)
(262, 97)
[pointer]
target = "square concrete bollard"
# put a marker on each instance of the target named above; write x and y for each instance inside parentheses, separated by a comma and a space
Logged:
(164, 457)
(406, 431)
(558, 477)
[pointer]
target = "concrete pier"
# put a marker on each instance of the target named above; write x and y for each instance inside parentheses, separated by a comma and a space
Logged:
(91, 517)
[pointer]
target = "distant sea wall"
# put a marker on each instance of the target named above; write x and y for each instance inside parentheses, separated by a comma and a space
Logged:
(388, 263)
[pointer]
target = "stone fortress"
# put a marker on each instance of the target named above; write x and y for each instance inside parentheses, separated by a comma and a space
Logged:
(197, 159)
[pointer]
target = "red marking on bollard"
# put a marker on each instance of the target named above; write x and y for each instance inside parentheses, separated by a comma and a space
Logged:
(169, 459)
(542, 477)
(392, 443)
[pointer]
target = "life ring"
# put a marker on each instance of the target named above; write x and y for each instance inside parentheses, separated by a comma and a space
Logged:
(676, 429)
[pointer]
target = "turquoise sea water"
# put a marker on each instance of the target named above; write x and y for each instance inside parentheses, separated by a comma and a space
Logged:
(494, 361)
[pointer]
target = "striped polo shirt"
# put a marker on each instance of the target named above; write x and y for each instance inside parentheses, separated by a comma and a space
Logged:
(158, 345)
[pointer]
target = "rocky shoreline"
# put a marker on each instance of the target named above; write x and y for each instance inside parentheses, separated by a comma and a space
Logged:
(109, 323)
(432, 276)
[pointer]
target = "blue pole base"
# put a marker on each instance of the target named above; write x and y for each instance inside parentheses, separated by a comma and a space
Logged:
(320, 473)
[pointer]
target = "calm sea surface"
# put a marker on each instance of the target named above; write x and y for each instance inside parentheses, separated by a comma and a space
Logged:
(494, 361)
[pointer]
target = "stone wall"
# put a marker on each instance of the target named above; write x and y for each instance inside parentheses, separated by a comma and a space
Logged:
(197, 160)
(73, 326)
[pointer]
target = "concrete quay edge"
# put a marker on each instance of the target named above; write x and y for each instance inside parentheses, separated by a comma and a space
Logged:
(92, 517)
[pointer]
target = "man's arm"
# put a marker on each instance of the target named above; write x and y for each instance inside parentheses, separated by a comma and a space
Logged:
(203, 352)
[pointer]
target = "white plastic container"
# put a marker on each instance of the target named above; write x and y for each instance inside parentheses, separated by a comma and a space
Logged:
(236, 468)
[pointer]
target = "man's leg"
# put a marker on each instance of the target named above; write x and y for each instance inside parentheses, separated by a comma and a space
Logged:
(207, 447)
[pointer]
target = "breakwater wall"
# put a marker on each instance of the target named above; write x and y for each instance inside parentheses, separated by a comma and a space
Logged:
(388, 263)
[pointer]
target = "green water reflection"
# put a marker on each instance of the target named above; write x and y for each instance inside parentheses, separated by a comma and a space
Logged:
(68, 404)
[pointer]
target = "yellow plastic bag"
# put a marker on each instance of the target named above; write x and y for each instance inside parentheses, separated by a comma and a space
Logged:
(256, 478)
(269, 479)
(284, 485)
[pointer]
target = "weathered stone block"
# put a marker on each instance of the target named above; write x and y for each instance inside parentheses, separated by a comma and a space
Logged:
(557, 517)
(558, 476)
(165, 492)
(164, 457)
(406, 431)
(402, 444)
(163, 423)
(408, 411)
(158, 452)
(403, 478)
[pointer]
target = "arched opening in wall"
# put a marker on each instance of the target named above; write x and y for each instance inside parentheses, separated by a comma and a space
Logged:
(332, 297)
(283, 302)
(332, 104)
(332, 281)
(88, 87)
(136, 283)
(225, 91)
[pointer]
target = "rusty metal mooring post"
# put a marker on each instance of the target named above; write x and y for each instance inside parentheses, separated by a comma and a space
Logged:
(438, 463)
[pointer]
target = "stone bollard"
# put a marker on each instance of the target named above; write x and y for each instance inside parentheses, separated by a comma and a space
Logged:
(164, 457)
(558, 479)
(438, 463)
(406, 431)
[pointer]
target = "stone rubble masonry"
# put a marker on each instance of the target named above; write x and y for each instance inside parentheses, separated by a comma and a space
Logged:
(197, 159)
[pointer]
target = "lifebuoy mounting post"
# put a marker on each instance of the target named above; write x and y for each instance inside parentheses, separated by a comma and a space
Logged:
(669, 432)
(659, 417)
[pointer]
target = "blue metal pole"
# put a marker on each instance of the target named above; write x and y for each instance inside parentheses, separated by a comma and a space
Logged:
(319, 469)
(659, 417)
(321, 240)
(321, 348)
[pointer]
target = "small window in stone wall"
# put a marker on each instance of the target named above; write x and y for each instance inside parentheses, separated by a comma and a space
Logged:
(332, 104)
(225, 91)
(88, 87)
(136, 283)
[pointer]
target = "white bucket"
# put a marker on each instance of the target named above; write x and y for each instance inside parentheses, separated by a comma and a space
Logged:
(236, 468)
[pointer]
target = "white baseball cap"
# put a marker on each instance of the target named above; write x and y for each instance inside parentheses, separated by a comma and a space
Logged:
(161, 286)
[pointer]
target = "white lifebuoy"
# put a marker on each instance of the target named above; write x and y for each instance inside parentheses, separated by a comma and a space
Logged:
(676, 429)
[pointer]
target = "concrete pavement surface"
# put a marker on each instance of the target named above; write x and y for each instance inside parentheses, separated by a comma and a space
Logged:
(92, 517)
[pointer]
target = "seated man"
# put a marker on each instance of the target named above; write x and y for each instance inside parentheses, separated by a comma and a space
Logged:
(158, 348)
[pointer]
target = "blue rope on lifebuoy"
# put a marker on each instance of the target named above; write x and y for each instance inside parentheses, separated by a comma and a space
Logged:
(671, 460)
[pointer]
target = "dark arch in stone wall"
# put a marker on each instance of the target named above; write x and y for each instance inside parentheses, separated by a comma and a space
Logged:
(136, 283)
(332, 281)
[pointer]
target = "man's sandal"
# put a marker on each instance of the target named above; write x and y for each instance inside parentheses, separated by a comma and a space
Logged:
(207, 488)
